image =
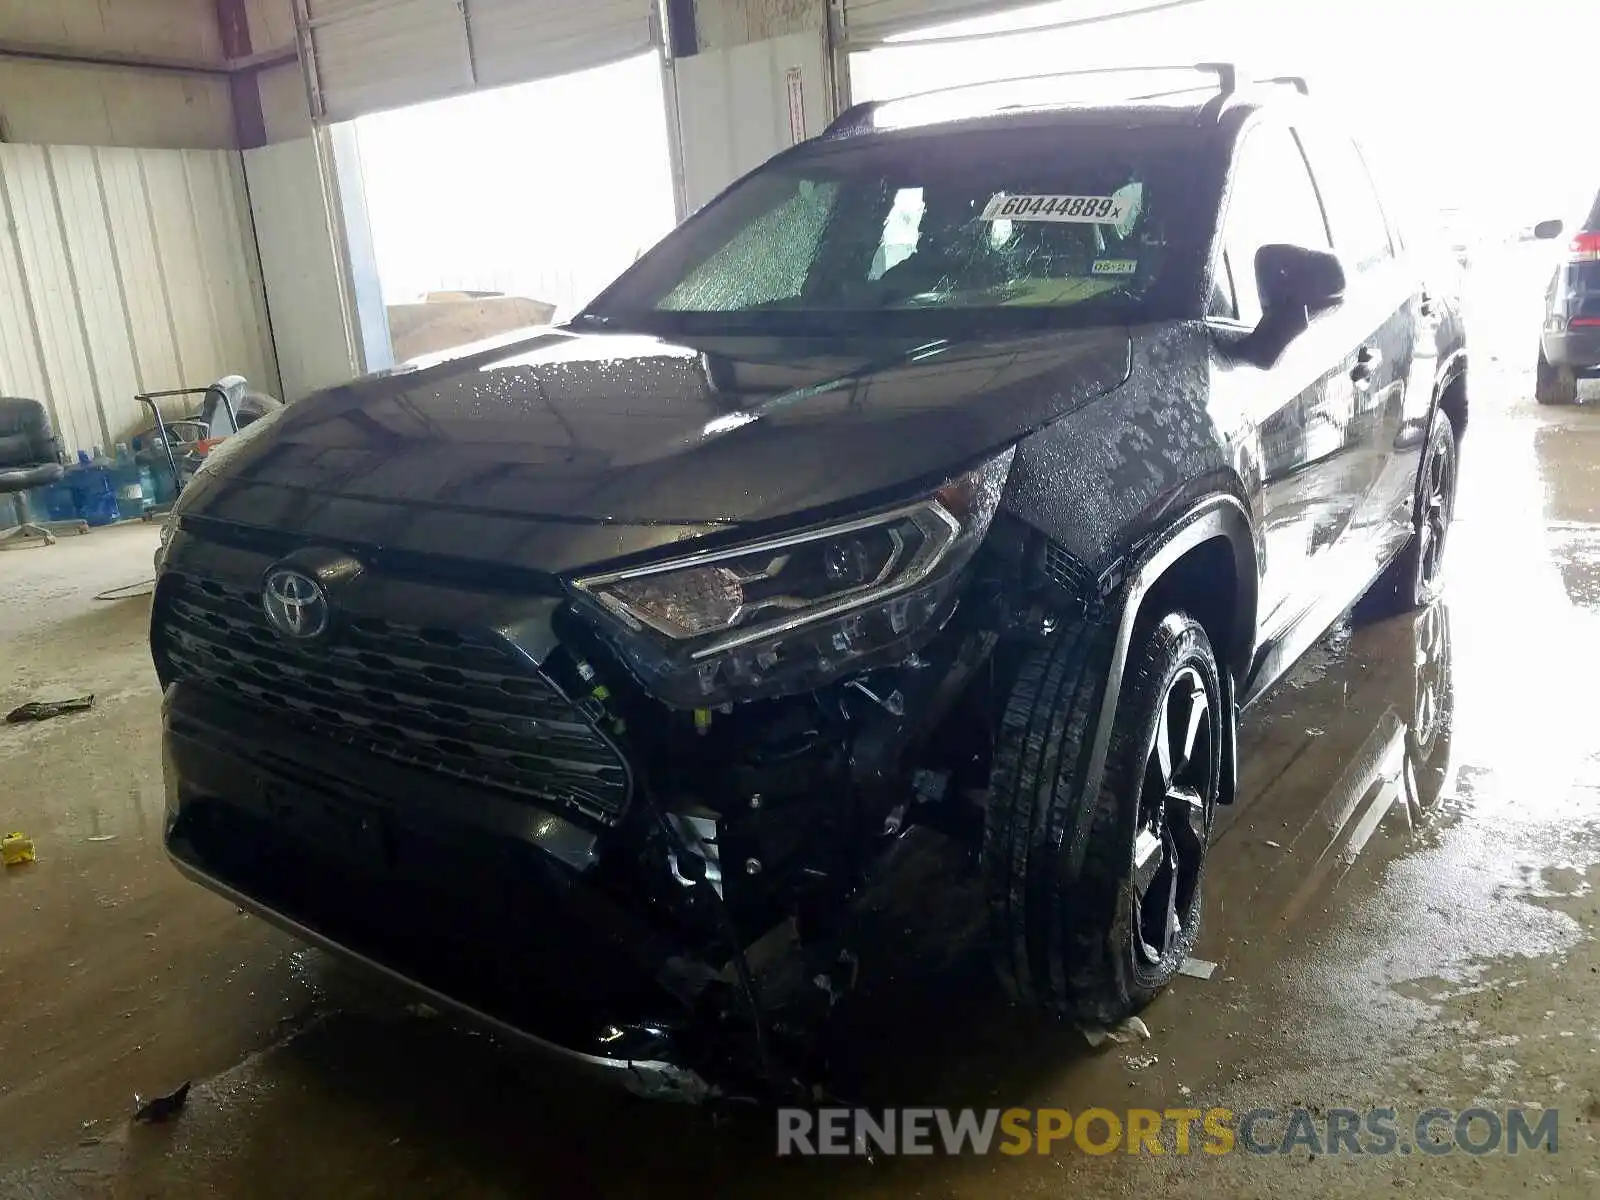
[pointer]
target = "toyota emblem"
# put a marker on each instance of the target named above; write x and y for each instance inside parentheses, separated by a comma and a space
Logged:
(295, 604)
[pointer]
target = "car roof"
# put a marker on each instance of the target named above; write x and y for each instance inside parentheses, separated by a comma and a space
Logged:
(1157, 95)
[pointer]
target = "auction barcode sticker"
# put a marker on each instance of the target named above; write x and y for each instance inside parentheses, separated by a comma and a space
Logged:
(1085, 210)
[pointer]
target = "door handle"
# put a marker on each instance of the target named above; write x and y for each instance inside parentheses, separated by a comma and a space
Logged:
(1367, 360)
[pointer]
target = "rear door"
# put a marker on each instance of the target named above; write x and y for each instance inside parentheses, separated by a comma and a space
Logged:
(1386, 384)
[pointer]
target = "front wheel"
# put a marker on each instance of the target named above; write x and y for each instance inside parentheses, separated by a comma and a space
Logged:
(1098, 941)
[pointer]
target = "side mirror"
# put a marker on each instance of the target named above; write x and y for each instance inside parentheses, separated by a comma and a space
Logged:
(1545, 230)
(1296, 278)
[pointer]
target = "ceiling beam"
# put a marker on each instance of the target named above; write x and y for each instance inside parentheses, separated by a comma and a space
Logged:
(39, 52)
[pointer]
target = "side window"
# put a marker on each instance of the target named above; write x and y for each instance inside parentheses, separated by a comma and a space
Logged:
(767, 261)
(1360, 230)
(1273, 201)
(1223, 300)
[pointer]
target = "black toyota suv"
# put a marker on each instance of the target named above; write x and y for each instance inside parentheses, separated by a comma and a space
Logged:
(967, 469)
(1569, 343)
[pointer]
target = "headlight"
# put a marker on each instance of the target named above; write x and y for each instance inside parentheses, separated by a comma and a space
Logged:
(169, 524)
(786, 613)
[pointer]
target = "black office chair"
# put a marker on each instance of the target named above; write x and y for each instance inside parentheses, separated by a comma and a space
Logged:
(30, 457)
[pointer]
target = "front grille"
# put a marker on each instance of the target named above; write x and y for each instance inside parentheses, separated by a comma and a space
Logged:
(453, 703)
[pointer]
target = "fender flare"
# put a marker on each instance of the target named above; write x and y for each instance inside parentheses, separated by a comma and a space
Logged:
(1218, 515)
(1454, 367)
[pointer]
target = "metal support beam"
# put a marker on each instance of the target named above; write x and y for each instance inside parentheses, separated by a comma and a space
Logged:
(249, 123)
(305, 44)
(146, 62)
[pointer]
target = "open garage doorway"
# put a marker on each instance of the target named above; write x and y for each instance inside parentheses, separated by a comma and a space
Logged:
(505, 208)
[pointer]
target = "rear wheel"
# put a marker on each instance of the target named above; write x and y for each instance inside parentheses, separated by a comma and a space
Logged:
(1553, 384)
(1098, 941)
(1416, 577)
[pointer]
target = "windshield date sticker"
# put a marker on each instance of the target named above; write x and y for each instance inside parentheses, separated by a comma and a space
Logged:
(1082, 210)
(1115, 266)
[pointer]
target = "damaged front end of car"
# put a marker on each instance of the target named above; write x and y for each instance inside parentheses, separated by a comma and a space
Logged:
(777, 700)
(630, 819)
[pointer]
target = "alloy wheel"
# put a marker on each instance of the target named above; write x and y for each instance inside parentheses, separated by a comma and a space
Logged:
(1438, 499)
(1174, 821)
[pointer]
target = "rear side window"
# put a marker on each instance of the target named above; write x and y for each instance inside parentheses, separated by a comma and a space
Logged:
(1360, 230)
(1272, 201)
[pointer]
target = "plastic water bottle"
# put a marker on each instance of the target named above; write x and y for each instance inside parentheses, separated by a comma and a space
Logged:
(129, 486)
(92, 492)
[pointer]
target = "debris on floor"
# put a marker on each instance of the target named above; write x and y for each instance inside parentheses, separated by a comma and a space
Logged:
(1197, 968)
(162, 1107)
(16, 849)
(1130, 1029)
(43, 710)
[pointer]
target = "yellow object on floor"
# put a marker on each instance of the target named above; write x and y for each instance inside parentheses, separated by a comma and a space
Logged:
(15, 849)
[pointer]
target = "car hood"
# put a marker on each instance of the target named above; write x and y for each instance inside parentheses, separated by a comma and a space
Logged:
(634, 429)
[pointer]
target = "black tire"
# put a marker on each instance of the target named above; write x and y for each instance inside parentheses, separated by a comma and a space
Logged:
(1553, 384)
(1087, 943)
(1414, 579)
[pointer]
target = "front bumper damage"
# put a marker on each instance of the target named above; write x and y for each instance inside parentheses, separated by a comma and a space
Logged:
(326, 851)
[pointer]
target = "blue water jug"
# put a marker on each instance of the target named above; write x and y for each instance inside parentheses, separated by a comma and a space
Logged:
(92, 493)
(129, 485)
(56, 501)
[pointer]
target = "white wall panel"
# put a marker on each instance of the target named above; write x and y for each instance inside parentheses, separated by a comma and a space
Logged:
(45, 103)
(175, 28)
(867, 23)
(167, 187)
(735, 107)
(284, 109)
(124, 271)
(97, 286)
(42, 252)
(224, 246)
(21, 366)
(300, 265)
(151, 332)
(514, 41)
(271, 23)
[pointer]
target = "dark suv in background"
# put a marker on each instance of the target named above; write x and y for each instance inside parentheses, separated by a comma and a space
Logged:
(1569, 343)
(963, 472)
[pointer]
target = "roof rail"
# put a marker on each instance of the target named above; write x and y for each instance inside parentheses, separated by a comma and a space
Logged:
(857, 118)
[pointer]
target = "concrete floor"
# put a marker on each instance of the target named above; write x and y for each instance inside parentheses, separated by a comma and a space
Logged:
(1403, 905)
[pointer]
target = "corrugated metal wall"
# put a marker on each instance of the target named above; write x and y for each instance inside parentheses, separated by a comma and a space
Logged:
(124, 271)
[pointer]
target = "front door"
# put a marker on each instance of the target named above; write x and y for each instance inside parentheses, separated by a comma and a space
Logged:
(1302, 411)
